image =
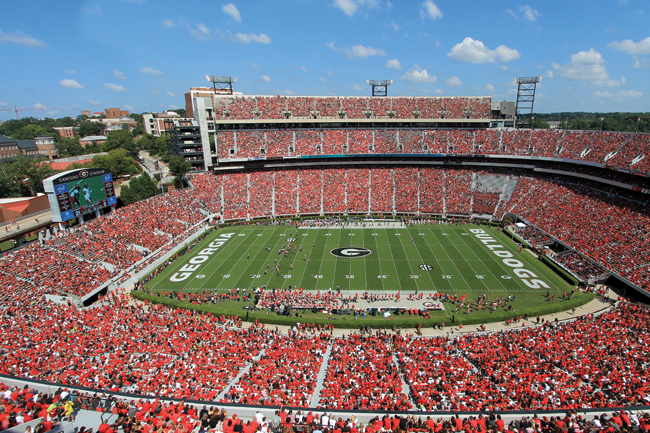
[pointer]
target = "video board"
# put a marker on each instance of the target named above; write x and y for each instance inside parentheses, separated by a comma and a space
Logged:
(79, 192)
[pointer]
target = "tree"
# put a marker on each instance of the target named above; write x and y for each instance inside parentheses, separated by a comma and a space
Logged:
(179, 168)
(70, 147)
(30, 173)
(121, 139)
(128, 196)
(9, 186)
(118, 162)
(146, 142)
(143, 186)
(30, 131)
(90, 128)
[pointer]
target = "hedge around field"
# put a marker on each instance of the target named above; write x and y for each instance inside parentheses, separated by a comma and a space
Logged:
(559, 270)
(373, 321)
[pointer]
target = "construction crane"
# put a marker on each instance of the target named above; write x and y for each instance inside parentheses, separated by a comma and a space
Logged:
(16, 109)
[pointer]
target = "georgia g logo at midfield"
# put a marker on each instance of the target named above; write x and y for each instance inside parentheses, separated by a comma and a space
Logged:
(350, 252)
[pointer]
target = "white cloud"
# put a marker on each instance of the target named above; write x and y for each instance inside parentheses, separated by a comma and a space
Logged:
(505, 54)
(248, 38)
(619, 95)
(304, 69)
(93, 10)
(504, 68)
(170, 94)
(173, 107)
(324, 80)
(629, 93)
(631, 47)
(549, 74)
(418, 75)
(70, 71)
(128, 107)
(169, 23)
(437, 43)
(474, 51)
(150, 71)
(640, 63)
(93, 102)
(3, 104)
(349, 7)
(232, 10)
(357, 87)
(289, 92)
(114, 87)
(20, 38)
(489, 88)
(201, 32)
(530, 14)
(39, 105)
(330, 72)
(393, 26)
(357, 51)
(393, 64)
(117, 74)
(430, 10)
(587, 66)
(72, 84)
(454, 81)
(266, 78)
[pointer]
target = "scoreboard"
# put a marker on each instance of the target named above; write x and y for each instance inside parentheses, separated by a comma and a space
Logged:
(79, 192)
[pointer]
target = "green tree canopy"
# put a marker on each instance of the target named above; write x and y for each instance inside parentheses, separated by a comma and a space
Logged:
(118, 162)
(179, 168)
(90, 128)
(122, 139)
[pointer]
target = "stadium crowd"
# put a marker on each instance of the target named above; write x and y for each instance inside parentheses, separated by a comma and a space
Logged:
(619, 149)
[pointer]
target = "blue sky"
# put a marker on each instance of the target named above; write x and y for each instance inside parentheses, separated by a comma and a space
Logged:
(143, 55)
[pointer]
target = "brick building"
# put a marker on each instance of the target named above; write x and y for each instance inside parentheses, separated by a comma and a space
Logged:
(66, 131)
(114, 113)
(8, 148)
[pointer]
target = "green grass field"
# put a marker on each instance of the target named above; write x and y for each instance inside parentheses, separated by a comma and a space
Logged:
(440, 258)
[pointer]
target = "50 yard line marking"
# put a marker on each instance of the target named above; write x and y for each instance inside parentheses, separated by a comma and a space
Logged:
(335, 261)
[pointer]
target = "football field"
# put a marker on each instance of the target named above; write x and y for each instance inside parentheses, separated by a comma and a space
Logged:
(455, 259)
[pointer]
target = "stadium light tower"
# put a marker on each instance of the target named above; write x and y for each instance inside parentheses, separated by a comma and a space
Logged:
(526, 93)
(380, 87)
(221, 84)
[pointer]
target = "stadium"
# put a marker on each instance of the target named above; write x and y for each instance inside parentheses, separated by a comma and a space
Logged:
(324, 258)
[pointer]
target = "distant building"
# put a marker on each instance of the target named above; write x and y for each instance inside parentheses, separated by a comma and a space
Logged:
(114, 113)
(8, 148)
(67, 131)
(46, 146)
(120, 121)
(156, 125)
(97, 113)
(86, 113)
(43, 145)
(92, 139)
(28, 148)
